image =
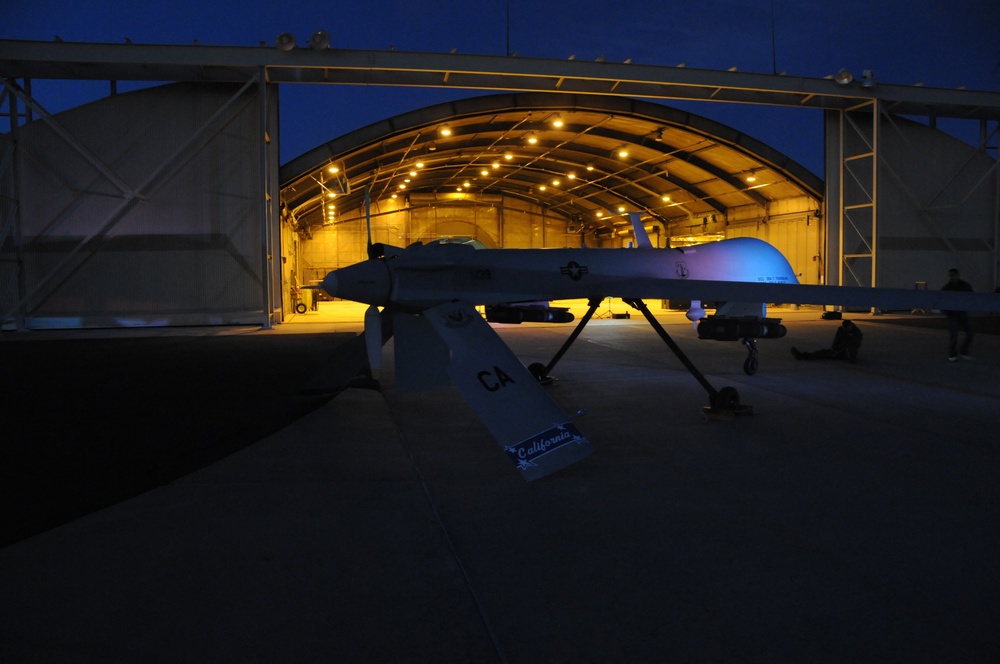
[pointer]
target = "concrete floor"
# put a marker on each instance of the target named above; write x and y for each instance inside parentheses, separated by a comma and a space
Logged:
(853, 517)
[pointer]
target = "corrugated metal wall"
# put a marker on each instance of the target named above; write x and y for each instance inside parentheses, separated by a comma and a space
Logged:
(145, 209)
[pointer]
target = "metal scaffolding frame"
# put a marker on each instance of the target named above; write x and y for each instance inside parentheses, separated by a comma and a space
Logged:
(859, 157)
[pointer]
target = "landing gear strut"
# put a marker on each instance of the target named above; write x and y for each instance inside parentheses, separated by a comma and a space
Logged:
(721, 403)
(541, 371)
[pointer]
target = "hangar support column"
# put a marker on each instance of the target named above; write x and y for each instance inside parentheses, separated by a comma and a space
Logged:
(269, 214)
(12, 284)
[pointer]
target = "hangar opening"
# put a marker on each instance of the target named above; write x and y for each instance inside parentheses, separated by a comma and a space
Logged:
(544, 170)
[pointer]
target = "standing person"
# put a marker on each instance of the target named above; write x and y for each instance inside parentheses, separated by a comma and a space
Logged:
(958, 319)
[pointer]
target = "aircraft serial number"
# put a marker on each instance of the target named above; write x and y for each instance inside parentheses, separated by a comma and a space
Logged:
(481, 275)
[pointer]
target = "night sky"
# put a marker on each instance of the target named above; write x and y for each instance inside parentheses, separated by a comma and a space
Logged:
(938, 45)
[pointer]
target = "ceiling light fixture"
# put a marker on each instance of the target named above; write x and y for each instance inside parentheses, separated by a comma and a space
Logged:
(444, 130)
(622, 152)
(320, 41)
(557, 121)
(843, 77)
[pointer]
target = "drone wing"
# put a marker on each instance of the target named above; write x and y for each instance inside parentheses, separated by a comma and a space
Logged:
(531, 428)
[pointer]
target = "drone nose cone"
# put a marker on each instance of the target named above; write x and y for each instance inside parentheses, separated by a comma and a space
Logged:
(367, 282)
(329, 284)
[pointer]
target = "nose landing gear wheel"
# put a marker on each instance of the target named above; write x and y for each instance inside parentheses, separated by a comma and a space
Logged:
(300, 308)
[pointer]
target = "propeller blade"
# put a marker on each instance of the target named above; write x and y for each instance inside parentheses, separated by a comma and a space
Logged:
(373, 340)
(373, 251)
(348, 364)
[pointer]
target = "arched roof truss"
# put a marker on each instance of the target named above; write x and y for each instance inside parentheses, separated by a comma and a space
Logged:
(606, 155)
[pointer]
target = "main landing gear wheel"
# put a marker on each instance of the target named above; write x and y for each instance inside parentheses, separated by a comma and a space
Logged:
(537, 369)
(727, 399)
(750, 364)
(725, 404)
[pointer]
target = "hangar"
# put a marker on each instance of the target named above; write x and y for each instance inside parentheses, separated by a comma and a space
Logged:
(167, 205)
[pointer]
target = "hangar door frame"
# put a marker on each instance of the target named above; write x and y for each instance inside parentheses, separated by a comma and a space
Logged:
(270, 66)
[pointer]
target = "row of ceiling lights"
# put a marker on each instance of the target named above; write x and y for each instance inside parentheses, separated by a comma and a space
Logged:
(622, 152)
(532, 138)
(445, 131)
(330, 208)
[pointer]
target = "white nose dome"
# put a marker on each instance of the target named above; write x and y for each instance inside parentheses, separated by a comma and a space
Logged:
(367, 282)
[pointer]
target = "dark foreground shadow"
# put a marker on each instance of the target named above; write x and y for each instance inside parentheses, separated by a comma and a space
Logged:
(87, 423)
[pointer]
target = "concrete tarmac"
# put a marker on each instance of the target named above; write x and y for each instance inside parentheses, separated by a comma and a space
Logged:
(852, 517)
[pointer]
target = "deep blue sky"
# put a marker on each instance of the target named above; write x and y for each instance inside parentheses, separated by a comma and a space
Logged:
(901, 42)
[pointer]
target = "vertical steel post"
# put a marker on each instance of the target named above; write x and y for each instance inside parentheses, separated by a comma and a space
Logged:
(265, 202)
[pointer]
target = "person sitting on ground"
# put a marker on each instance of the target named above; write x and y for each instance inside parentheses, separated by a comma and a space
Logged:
(846, 343)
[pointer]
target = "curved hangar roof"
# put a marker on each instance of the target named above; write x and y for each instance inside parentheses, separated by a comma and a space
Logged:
(587, 158)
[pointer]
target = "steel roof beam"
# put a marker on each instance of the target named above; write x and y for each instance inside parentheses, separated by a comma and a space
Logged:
(150, 62)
